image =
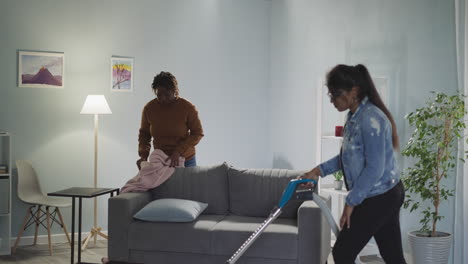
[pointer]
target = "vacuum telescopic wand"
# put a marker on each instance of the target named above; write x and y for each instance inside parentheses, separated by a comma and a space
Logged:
(291, 192)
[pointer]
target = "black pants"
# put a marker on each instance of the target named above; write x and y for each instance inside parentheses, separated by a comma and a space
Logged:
(377, 217)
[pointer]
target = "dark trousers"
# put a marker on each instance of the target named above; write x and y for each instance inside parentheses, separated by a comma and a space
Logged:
(377, 217)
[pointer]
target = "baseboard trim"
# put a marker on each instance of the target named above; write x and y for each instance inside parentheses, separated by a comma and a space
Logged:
(56, 238)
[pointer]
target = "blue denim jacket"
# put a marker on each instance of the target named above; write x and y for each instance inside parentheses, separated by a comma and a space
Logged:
(367, 154)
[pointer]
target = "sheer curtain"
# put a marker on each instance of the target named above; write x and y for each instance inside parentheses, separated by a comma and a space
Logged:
(460, 248)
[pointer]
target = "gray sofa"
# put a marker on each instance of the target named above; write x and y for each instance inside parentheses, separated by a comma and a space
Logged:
(238, 201)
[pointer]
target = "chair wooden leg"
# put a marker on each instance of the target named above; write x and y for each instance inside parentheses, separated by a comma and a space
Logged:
(63, 225)
(102, 234)
(48, 230)
(86, 241)
(36, 220)
(28, 213)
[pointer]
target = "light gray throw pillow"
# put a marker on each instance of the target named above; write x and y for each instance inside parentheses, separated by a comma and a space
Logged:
(171, 210)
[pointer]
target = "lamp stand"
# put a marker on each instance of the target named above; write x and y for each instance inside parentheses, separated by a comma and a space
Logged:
(95, 230)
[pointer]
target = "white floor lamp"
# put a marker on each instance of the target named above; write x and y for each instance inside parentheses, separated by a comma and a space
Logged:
(95, 104)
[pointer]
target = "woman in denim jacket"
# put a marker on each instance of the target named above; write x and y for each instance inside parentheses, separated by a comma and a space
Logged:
(367, 160)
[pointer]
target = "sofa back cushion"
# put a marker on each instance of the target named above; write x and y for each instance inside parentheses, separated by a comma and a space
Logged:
(206, 184)
(255, 192)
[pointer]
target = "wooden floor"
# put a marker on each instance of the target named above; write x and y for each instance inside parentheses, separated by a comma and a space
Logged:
(39, 254)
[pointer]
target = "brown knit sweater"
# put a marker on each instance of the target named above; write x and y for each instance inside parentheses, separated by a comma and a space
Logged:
(173, 126)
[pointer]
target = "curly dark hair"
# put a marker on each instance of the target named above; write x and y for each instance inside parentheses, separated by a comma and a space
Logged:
(166, 81)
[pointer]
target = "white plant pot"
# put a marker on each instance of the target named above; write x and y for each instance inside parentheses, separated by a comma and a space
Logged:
(430, 250)
(338, 185)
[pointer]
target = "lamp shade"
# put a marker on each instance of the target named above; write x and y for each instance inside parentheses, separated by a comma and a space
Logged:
(95, 104)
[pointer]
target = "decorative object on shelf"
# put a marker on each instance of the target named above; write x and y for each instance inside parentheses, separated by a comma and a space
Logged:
(122, 74)
(338, 184)
(3, 168)
(439, 127)
(95, 104)
(41, 69)
(4, 198)
(338, 131)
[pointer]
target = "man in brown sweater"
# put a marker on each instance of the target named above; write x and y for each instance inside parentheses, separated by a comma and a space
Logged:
(171, 121)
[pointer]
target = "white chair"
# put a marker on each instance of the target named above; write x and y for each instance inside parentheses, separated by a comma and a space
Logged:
(29, 191)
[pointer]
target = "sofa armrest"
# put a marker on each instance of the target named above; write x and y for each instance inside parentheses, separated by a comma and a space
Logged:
(120, 214)
(314, 233)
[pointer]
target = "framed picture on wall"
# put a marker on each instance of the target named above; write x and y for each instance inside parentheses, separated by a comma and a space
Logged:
(38, 69)
(122, 74)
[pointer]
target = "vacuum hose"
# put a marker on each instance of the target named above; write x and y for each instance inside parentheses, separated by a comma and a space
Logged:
(328, 215)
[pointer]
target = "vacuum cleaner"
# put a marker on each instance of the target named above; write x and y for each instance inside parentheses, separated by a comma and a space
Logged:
(292, 192)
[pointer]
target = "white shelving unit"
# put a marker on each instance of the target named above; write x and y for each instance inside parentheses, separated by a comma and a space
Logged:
(5, 194)
(329, 147)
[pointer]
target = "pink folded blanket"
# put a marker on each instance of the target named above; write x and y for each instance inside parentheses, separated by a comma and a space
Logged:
(152, 173)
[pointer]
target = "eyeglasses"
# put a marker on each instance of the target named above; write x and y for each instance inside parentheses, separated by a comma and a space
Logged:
(335, 94)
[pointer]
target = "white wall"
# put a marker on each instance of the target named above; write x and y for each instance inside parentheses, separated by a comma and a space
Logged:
(410, 42)
(218, 50)
(3, 52)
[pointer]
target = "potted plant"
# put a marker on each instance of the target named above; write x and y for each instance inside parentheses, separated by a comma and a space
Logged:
(338, 180)
(433, 145)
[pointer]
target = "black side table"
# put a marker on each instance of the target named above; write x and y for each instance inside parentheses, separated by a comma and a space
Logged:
(81, 192)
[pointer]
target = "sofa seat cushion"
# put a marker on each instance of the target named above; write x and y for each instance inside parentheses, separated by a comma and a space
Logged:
(192, 237)
(279, 240)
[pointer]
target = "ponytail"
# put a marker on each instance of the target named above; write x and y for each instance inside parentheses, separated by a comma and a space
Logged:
(344, 77)
(367, 88)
